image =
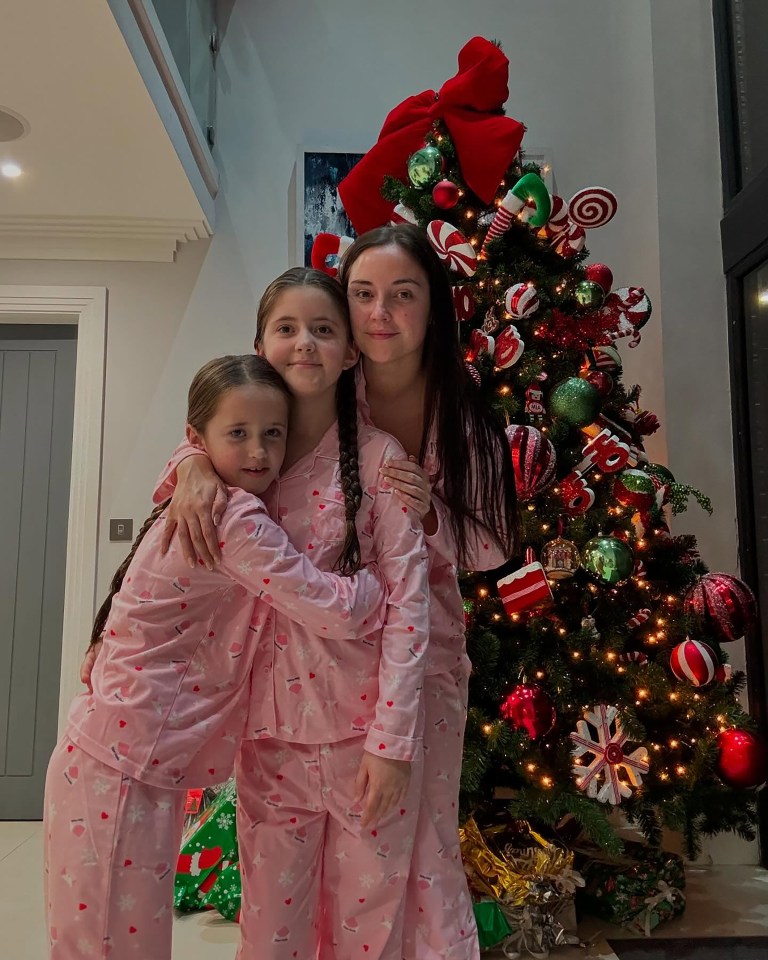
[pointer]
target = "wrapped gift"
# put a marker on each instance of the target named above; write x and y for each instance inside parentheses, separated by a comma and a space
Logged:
(207, 847)
(225, 894)
(526, 588)
(638, 890)
(492, 926)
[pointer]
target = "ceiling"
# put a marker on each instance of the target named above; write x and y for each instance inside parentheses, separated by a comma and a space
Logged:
(101, 176)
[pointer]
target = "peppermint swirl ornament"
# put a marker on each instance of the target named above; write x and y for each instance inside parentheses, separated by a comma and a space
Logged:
(452, 247)
(593, 207)
(521, 300)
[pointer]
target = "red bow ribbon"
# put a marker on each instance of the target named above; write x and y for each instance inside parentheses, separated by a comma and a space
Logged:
(469, 104)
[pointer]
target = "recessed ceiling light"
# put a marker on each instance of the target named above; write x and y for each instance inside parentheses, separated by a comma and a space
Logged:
(10, 170)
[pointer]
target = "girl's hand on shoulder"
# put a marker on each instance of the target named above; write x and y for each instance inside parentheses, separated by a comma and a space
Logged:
(89, 661)
(411, 484)
(381, 785)
(196, 507)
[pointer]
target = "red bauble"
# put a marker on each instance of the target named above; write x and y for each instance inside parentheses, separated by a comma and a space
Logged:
(600, 274)
(533, 460)
(725, 604)
(601, 381)
(445, 194)
(743, 759)
(693, 662)
(529, 708)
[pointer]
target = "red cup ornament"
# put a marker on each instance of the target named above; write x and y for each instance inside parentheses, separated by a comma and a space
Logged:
(529, 708)
(533, 460)
(742, 760)
(725, 605)
(693, 662)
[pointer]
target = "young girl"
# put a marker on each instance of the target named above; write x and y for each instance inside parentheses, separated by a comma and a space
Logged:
(169, 692)
(414, 385)
(330, 775)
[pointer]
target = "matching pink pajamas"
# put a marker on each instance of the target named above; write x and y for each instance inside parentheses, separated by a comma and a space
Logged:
(170, 699)
(313, 878)
(439, 921)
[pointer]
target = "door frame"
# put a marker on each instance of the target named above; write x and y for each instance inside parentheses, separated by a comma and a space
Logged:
(87, 308)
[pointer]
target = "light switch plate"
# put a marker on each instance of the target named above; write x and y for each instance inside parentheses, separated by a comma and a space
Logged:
(121, 530)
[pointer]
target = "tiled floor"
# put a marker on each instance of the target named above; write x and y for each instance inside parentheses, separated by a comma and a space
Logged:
(722, 901)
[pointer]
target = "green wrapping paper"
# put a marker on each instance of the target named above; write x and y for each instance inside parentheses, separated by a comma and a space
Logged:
(208, 846)
(225, 894)
(638, 890)
(492, 926)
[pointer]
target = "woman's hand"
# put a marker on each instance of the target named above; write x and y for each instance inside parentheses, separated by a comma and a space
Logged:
(411, 484)
(89, 660)
(196, 507)
(381, 785)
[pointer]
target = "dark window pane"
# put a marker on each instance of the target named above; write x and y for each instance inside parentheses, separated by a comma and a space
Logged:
(749, 29)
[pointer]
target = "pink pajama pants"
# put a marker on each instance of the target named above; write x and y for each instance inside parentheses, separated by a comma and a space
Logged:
(316, 883)
(111, 846)
(439, 921)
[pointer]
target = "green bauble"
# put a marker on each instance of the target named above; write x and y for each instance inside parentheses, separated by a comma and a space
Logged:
(576, 401)
(659, 471)
(608, 560)
(425, 167)
(589, 294)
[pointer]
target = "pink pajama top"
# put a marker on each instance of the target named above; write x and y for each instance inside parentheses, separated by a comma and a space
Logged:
(311, 688)
(447, 645)
(171, 685)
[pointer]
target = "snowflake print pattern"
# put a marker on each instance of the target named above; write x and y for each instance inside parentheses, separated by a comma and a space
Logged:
(608, 757)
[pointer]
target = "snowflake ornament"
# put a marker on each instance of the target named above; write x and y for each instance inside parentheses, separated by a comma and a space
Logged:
(607, 749)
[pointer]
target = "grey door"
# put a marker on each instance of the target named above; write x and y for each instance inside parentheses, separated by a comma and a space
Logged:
(37, 381)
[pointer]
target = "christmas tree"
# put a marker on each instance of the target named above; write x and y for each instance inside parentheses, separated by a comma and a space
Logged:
(600, 674)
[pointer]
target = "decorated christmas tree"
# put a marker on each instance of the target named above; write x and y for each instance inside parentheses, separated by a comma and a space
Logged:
(600, 668)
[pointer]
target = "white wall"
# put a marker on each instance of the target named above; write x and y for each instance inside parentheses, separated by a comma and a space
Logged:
(621, 90)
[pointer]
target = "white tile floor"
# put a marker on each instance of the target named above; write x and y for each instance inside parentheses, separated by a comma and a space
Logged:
(722, 901)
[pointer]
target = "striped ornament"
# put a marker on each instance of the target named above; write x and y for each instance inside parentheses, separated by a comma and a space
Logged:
(533, 460)
(725, 604)
(521, 300)
(570, 241)
(453, 248)
(637, 620)
(693, 662)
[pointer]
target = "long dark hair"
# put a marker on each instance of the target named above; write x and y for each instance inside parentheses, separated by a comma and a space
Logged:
(209, 383)
(473, 462)
(349, 559)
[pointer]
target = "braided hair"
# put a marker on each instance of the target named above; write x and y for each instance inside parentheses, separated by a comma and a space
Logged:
(208, 386)
(349, 560)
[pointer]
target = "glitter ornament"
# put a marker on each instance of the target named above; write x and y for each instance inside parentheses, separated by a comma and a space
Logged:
(693, 662)
(425, 166)
(742, 760)
(533, 460)
(588, 294)
(606, 745)
(575, 401)
(608, 560)
(529, 708)
(634, 488)
(445, 194)
(601, 274)
(724, 604)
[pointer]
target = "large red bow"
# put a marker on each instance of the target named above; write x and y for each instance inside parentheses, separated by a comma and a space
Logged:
(469, 104)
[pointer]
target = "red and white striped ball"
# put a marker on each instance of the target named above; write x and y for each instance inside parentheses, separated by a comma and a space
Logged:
(693, 662)
(725, 604)
(463, 302)
(606, 358)
(521, 300)
(638, 619)
(570, 241)
(533, 460)
(452, 247)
